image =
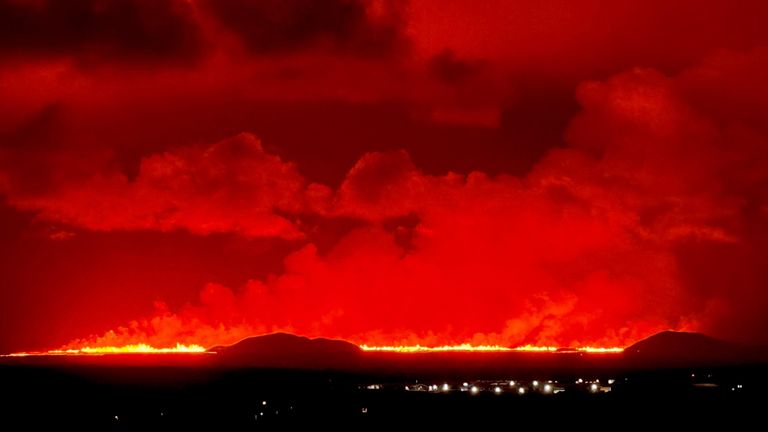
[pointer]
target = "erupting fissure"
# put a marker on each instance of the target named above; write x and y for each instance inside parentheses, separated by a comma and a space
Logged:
(125, 349)
(179, 348)
(487, 348)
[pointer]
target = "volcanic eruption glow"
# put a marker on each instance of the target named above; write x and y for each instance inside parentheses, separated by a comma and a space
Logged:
(381, 172)
(487, 348)
(444, 348)
(142, 349)
(125, 349)
(179, 348)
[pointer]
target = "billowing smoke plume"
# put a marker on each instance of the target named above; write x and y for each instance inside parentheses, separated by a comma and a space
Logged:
(653, 217)
(382, 171)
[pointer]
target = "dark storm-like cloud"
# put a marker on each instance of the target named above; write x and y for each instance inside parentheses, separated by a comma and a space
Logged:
(448, 68)
(280, 26)
(96, 30)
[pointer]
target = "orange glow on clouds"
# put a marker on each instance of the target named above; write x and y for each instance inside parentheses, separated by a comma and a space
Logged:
(382, 173)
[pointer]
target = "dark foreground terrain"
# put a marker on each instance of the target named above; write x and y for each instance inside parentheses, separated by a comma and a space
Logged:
(200, 397)
(287, 382)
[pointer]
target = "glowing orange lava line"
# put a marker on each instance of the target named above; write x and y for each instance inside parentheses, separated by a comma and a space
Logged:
(487, 348)
(534, 348)
(444, 348)
(125, 349)
(198, 349)
(598, 350)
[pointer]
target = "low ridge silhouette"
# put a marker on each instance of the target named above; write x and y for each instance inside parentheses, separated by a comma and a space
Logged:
(671, 348)
(665, 349)
(283, 350)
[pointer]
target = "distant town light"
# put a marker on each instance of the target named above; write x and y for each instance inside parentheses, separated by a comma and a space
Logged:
(475, 390)
(521, 390)
(512, 383)
(547, 388)
(497, 390)
(446, 387)
(593, 387)
(535, 383)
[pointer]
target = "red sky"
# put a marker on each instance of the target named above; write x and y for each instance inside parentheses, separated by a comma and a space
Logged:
(556, 172)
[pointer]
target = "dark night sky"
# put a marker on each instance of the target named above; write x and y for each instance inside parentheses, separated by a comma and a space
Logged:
(387, 172)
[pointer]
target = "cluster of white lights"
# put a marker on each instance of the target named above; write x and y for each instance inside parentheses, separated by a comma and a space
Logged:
(594, 386)
(547, 387)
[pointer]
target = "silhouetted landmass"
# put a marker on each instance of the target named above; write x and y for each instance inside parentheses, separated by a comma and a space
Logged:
(286, 351)
(670, 348)
(283, 350)
(282, 381)
(662, 350)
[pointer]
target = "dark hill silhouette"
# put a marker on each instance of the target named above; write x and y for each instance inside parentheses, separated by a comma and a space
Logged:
(670, 348)
(282, 350)
(662, 350)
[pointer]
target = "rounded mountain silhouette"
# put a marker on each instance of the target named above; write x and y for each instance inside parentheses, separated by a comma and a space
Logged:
(283, 350)
(686, 348)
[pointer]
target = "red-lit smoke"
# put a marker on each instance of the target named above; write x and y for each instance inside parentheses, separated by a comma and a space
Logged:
(582, 251)
(641, 208)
